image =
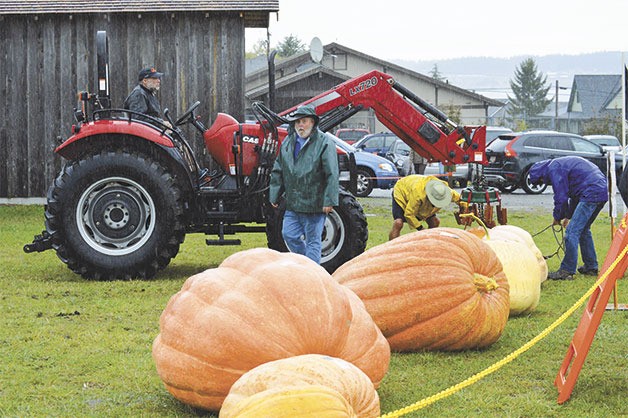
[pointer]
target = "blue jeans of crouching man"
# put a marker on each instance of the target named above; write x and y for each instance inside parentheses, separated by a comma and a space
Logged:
(579, 232)
(302, 233)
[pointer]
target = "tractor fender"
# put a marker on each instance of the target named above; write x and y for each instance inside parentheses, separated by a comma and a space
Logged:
(83, 140)
(115, 127)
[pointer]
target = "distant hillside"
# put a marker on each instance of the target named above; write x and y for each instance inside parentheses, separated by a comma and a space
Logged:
(491, 76)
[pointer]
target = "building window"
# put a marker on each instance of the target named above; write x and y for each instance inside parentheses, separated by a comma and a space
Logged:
(340, 62)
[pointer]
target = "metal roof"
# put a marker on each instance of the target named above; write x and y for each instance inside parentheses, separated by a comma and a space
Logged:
(8, 7)
(594, 92)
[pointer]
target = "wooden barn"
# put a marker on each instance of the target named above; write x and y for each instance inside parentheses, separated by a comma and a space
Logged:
(48, 54)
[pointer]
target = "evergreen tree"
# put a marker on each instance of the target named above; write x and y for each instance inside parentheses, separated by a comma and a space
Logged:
(437, 74)
(289, 46)
(530, 90)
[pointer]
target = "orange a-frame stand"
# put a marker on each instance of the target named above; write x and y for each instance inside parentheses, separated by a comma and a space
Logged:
(592, 316)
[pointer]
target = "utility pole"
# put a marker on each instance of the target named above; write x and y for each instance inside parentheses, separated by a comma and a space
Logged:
(556, 108)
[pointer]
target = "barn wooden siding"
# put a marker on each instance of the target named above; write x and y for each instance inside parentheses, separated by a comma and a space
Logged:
(46, 59)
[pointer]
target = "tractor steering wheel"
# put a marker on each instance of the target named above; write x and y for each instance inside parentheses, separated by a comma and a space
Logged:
(189, 114)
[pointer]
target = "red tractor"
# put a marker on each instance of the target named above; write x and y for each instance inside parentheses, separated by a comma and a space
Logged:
(131, 187)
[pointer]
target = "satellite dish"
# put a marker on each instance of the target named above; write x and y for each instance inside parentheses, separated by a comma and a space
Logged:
(316, 50)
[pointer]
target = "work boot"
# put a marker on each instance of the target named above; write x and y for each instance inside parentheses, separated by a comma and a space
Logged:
(587, 271)
(560, 275)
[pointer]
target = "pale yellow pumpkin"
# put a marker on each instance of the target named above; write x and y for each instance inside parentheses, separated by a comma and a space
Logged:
(522, 270)
(258, 306)
(515, 233)
(309, 401)
(439, 289)
(308, 369)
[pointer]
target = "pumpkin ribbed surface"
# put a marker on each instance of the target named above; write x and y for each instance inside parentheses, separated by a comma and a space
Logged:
(308, 369)
(311, 401)
(440, 289)
(258, 306)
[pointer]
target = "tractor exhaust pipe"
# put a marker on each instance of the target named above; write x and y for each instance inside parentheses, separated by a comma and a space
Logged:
(102, 64)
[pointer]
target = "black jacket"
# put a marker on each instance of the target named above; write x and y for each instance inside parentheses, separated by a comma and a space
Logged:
(143, 101)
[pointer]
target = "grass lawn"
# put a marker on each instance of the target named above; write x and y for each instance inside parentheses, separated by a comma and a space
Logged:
(71, 347)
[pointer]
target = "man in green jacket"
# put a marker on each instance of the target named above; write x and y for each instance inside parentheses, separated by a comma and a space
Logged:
(306, 173)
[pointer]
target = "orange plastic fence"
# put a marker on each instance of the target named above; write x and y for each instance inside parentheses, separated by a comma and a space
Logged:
(592, 316)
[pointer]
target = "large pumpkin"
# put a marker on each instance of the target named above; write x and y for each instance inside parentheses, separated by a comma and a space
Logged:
(515, 233)
(258, 306)
(440, 289)
(522, 271)
(308, 369)
(309, 401)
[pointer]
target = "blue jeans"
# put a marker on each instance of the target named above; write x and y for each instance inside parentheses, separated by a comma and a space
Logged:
(303, 233)
(579, 232)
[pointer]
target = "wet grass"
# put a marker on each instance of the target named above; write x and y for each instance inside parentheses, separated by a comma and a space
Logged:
(71, 347)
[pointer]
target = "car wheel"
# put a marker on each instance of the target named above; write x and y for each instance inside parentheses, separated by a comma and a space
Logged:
(365, 183)
(508, 188)
(530, 188)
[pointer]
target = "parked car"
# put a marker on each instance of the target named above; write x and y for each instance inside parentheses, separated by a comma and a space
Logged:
(390, 146)
(510, 157)
(399, 153)
(460, 177)
(351, 135)
(377, 143)
(373, 171)
(493, 132)
(608, 142)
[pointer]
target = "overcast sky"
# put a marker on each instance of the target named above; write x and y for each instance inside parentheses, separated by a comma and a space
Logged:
(436, 29)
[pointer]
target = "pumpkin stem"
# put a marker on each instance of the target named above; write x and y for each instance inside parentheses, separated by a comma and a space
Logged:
(483, 283)
(472, 215)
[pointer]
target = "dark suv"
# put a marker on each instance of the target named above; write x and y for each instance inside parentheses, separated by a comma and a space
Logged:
(510, 157)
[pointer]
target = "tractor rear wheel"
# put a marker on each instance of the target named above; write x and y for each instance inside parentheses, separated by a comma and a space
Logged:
(344, 236)
(115, 215)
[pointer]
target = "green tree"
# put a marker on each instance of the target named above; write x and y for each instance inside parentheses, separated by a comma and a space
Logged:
(289, 46)
(530, 89)
(260, 48)
(436, 75)
(453, 112)
(604, 125)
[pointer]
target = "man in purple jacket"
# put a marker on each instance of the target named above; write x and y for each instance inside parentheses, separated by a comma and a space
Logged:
(580, 193)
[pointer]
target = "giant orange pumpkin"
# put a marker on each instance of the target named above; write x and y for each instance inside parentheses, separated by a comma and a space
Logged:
(440, 289)
(258, 306)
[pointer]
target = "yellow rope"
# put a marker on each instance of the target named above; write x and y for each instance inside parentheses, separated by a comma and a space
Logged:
(496, 366)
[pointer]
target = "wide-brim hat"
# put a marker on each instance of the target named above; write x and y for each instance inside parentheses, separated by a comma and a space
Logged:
(306, 111)
(438, 193)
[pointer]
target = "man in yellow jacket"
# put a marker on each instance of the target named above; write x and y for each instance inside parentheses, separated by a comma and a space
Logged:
(418, 198)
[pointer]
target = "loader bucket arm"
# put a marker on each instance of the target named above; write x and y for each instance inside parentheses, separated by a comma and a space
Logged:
(422, 126)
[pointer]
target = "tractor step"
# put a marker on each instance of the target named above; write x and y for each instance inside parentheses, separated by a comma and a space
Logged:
(223, 242)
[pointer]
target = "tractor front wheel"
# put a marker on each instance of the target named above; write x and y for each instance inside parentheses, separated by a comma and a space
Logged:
(115, 215)
(344, 235)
